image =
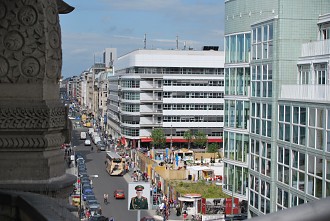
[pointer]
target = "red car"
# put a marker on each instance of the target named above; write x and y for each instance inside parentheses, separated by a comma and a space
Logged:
(119, 194)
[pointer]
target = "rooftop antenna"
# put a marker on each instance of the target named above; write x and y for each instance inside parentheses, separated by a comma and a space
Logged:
(145, 41)
(177, 42)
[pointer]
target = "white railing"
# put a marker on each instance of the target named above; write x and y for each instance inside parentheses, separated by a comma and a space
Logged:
(306, 92)
(316, 48)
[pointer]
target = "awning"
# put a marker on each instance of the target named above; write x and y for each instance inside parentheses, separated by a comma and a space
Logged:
(146, 139)
(186, 199)
(180, 140)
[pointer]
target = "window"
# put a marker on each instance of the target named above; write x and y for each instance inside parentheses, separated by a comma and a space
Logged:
(237, 48)
(262, 41)
(284, 132)
(321, 74)
(304, 74)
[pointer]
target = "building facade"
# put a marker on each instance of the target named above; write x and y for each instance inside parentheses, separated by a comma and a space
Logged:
(303, 150)
(169, 89)
(271, 35)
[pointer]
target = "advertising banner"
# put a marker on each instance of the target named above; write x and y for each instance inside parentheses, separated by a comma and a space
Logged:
(139, 196)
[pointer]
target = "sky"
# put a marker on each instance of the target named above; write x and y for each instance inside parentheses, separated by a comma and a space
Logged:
(123, 24)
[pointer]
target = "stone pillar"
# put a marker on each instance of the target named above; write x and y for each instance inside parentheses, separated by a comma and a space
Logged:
(33, 121)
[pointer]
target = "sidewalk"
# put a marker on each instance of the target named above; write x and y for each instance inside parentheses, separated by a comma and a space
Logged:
(172, 217)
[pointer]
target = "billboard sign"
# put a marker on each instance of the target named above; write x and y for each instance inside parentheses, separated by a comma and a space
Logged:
(138, 196)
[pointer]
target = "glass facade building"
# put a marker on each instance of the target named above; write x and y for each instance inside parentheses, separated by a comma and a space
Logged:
(273, 114)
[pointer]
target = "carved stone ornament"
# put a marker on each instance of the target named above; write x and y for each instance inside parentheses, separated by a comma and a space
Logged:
(32, 117)
(31, 37)
(19, 142)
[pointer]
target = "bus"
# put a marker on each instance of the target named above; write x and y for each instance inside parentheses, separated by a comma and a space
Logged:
(115, 164)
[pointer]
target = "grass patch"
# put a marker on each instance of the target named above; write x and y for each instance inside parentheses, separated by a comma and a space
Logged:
(206, 189)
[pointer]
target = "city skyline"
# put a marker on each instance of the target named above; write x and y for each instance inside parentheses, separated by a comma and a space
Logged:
(92, 27)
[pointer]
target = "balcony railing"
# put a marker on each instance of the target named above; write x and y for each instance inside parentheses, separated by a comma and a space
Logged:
(316, 48)
(314, 92)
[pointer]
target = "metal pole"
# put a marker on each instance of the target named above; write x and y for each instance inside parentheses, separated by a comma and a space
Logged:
(171, 138)
(138, 215)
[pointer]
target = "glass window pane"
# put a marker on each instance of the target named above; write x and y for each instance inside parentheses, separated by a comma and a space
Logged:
(312, 113)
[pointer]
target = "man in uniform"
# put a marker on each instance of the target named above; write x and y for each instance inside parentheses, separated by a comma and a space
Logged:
(139, 201)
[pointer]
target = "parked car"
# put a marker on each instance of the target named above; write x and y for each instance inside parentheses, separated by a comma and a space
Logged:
(82, 168)
(80, 161)
(94, 208)
(87, 192)
(83, 173)
(85, 179)
(88, 142)
(119, 194)
(86, 186)
(90, 197)
(90, 202)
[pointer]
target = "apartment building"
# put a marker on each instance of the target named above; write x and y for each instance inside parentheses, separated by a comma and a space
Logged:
(264, 40)
(170, 89)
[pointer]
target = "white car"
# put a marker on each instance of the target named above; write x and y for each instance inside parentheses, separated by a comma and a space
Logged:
(88, 142)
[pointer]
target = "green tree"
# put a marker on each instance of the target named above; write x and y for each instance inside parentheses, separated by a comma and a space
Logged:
(213, 148)
(200, 139)
(188, 136)
(158, 137)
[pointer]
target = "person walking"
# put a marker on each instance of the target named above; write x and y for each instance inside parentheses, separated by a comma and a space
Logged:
(178, 210)
(105, 198)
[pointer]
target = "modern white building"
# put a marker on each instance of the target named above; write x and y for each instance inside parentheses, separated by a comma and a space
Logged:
(175, 90)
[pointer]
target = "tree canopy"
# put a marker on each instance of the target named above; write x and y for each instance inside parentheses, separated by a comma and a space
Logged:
(158, 137)
(188, 136)
(213, 148)
(200, 138)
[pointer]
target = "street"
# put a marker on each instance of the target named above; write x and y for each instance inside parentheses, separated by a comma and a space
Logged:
(104, 183)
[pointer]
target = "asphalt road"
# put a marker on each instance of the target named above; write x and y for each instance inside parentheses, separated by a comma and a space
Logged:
(105, 183)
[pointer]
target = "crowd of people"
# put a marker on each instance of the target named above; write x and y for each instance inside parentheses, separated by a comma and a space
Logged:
(139, 176)
(164, 209)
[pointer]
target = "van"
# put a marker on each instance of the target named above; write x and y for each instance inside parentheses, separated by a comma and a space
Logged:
(83, 135)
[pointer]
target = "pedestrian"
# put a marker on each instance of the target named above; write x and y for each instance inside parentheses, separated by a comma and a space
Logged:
(178, 210)
(88, 214)
(105, 197)
(185, 215)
